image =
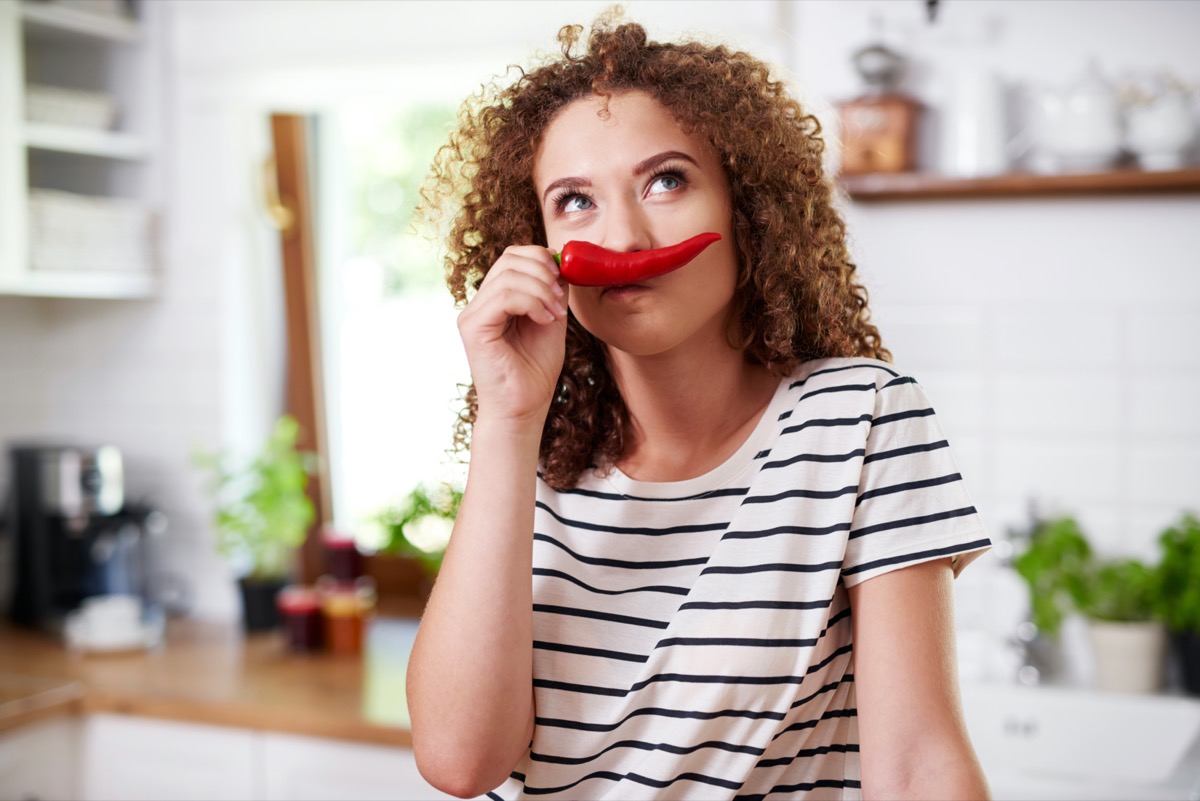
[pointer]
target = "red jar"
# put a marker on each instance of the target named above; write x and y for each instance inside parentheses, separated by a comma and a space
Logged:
(300, 611)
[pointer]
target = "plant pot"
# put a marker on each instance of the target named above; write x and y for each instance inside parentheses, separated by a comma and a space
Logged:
(259, 597)
(1186, 645)
(1128, 657)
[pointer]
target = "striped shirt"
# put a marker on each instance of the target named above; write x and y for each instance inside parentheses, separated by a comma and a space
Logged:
(692, 639)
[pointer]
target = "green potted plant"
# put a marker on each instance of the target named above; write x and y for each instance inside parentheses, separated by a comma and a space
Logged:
(1052, 563)
(262, 515)
(1054, 566)
(417, 529)
(1128, 644)
(1177, 600)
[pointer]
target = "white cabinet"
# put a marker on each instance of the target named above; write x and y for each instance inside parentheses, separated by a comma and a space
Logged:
(316, 769)
(79, 196)
(1065, 744)
(143, 759)
(129, 758)
(38, 761)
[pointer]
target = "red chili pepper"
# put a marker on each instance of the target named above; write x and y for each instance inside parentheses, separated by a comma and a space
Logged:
(586, 264)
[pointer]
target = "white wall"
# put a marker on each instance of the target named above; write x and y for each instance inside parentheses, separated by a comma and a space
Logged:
(235, 62)
(1055, 336)
(1058, 336)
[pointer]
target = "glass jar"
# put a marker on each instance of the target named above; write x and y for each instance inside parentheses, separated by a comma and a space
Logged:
(345, 609)
(300, 610)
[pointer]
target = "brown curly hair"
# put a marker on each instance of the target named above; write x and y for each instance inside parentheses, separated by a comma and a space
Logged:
(797, 296)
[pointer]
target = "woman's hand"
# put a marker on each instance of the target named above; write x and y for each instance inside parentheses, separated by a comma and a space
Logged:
(514, 332)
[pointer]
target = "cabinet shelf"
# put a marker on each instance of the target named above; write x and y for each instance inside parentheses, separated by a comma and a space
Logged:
(930, 186)
(86, 142)
(83, 284)
(46, 20)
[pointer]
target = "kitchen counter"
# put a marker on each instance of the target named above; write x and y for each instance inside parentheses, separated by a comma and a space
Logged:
(208, 672)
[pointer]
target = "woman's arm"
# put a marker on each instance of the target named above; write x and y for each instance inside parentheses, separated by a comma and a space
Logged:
(470, 676)
(913, 739)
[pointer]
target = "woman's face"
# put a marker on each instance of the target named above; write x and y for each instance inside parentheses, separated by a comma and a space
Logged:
(632, 180)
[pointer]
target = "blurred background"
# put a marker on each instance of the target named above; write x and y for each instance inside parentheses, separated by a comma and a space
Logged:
(206, 224)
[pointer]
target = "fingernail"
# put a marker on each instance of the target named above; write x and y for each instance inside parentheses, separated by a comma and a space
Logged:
(558, 290)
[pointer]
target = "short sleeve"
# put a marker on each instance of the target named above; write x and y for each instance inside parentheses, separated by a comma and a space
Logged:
(912, 504)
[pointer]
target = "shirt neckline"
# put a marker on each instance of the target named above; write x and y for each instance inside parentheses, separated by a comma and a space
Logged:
(721, 475)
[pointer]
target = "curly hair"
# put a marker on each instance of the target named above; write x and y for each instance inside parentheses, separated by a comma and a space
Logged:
(797, 296)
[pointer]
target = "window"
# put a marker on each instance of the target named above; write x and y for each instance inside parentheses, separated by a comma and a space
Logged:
(393, 358)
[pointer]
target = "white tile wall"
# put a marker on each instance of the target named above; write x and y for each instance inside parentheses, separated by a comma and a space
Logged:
(1057, 338)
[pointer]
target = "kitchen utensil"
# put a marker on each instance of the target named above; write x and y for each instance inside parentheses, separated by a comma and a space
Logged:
(1076, 129)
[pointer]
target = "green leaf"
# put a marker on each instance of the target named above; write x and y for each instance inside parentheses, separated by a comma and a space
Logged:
(263, 511)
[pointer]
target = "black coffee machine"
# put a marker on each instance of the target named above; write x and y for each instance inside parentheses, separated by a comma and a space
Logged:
(73, 534)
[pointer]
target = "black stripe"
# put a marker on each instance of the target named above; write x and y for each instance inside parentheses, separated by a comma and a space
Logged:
(638, 779)
(812, 724)
(544, 571)
(829, 423)
(644, 746)
(494, 797)
(838, 388)
(909, 485)
(828, 370)
(804, 753)
(884, 419)
(823, 495)
(596, 615)
(621, 563)
(912, 521)
(830, 687)
(756, 604)
(684, 714)
(756, 642)
(903, 379)
(652, 532)
(582, 651)
(925, 448)
(802, 787)
(684, 678)
(824, 458)
(912, 557)
(771, 567)
(845, 649)
(586, 689)
(770, 532)
(616, 496)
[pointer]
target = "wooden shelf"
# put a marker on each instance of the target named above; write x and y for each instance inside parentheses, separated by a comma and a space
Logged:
(929, 186)
(47, 20)
(86, 142)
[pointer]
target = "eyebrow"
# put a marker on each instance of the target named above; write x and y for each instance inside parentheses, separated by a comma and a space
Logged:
(641, 168)
(646, 165)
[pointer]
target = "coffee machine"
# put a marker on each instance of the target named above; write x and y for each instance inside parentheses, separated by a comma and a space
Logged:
(73, 534)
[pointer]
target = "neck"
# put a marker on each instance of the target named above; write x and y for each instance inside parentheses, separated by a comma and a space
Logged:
(689, 412)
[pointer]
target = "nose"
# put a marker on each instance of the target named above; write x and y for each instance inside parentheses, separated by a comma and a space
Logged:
(626, 228)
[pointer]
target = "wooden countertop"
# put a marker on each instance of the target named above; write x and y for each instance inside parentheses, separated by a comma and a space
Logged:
(212, 673)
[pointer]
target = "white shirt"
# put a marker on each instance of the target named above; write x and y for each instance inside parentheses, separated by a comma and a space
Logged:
(692, 639)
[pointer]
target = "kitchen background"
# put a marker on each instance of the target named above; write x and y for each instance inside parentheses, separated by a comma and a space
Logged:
(1056, 335)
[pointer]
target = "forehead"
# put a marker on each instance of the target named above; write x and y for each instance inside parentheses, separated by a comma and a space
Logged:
(592, 133)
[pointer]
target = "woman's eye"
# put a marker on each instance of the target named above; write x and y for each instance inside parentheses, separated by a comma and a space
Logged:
(665, 183)
(576, 203)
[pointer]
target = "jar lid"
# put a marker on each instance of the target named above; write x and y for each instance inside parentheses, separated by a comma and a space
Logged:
(297, 600)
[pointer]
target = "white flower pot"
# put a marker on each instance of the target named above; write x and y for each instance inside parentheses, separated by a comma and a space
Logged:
(1128, 657)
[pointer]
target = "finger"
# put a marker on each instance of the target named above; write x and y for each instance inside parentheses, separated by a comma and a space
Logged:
(529, 259)
(515, 294)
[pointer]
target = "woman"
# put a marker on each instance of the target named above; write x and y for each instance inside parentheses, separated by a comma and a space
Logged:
(701, 470)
